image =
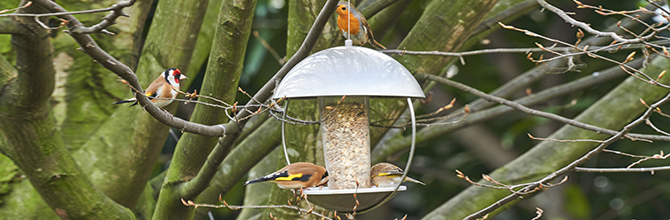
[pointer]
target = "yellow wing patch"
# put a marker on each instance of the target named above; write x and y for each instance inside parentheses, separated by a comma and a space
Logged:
(382, 174)
(289, 178)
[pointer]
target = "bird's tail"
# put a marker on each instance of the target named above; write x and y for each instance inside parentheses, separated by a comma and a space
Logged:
(376, 44)
(271, 176)
(268, 177)
(127, 101)
(414, 181)
(254, 181)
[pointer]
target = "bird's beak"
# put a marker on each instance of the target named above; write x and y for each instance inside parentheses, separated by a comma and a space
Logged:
(183, 76)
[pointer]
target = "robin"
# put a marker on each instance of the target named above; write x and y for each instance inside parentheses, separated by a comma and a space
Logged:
(348, 18)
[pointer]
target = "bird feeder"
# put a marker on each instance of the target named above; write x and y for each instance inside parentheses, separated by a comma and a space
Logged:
(343, 79)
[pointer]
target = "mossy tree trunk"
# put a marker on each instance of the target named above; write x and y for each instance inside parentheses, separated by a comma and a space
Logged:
(131, 151)
(97, 132)
(224, 68)
(31, 138)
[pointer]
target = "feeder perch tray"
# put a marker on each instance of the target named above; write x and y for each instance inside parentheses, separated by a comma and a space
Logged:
(343, 201)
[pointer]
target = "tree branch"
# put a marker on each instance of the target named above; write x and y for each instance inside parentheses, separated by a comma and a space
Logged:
(7, 71)
(390, 147)
(242, 159)
(109, 20)
(570, 167)
(547, 157)
(90, 47)
(527, 110)
(651, 170)
(8, 26)
(585, 26)
(369, 10)
(517, 9)
(479, 115)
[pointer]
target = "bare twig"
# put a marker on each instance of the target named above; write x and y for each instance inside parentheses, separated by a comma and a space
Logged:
(585, 26)
(235, 207)
(652, 170)
(280, 60)
(425, 118)
(622, 153)
(591, 49)
(466, 178)
(522, 108)
(539, 212)
(556, 140)
(648, 122)
(571, 167)
(630, 70)
(14, 9)
(117, 11)
(660, 156)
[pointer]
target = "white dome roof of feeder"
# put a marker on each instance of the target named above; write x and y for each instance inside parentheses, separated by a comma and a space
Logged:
(351, 71)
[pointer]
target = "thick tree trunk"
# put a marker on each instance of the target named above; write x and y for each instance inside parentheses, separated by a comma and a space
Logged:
(130, 153)
(224, 68)
(29, 136)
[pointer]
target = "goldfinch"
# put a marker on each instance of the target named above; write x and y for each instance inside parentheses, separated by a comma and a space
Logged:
(163, 90)
(295, 176)
(388, 175)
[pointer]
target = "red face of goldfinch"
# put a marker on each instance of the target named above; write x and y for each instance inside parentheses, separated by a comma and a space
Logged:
(295, 176)
(162, 90)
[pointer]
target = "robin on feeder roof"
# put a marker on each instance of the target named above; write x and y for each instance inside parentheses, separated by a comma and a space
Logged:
(295, 176)
(388, 175)
(348, 18)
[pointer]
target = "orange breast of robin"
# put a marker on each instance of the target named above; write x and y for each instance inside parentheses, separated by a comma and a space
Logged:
(346, 20)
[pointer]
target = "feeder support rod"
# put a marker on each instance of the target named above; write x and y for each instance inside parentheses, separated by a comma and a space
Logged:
(283, 133)
(411, 150)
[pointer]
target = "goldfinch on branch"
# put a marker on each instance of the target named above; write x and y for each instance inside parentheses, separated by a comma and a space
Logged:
(388, 175)
(163, 90)
(295, 176)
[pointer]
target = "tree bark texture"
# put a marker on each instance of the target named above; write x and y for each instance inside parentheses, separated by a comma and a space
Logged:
(224, 68)
(29, 136)
(130, 153)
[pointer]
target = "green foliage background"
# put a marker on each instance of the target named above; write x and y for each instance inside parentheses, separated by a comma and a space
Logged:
(87, 122)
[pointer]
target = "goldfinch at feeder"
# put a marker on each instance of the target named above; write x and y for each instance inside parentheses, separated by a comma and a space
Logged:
(295, 176)
(388, 175)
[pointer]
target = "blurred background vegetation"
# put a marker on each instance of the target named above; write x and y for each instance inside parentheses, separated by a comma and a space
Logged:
(584, 196)
(470, 150)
